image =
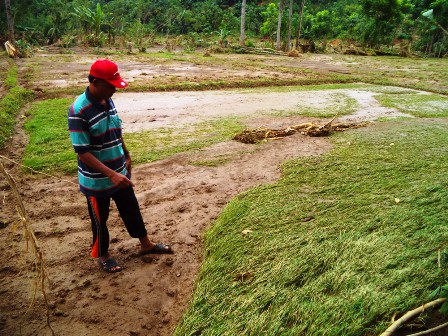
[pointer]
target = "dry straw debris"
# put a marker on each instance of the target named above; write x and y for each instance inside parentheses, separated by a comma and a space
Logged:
(311, 129)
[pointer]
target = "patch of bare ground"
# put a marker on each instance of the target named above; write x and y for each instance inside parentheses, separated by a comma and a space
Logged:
(178, 200)
(54, 69)
(4, 66)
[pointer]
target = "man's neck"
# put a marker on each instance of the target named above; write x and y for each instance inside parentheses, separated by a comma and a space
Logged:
(94, 94)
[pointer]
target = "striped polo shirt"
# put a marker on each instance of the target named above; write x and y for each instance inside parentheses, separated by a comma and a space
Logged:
(96, 129)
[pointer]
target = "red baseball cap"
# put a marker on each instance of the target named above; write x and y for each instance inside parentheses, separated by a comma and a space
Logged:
(108, 71)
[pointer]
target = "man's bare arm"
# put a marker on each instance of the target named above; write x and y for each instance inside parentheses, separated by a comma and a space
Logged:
(128, 156)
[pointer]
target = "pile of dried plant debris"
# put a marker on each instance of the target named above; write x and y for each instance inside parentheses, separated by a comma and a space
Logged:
(310, 129)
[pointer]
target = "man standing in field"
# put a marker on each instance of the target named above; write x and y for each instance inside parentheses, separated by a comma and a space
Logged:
(104, 163)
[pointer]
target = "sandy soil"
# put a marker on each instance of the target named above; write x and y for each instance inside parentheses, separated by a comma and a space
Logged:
(179, 201)
(141, 111)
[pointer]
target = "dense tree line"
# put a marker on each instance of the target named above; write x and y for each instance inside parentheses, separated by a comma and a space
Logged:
(371, 23)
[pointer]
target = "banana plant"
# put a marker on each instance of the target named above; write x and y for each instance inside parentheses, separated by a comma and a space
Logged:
(91, 20)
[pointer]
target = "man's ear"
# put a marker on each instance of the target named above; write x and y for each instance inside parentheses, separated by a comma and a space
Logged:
(98, 80)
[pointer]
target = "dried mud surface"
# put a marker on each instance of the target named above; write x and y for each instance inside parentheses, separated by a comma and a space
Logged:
(178, 199)
(49, 70)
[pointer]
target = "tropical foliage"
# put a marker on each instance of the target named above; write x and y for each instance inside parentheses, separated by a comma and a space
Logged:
(371, 23)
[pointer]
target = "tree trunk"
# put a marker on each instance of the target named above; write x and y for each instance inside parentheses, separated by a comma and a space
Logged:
(288, 48)
(279, 24)
(10, 21)
(300, 25)
(243, 23)
(440, 26)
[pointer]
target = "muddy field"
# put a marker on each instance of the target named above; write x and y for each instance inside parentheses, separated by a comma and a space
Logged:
(179, 201)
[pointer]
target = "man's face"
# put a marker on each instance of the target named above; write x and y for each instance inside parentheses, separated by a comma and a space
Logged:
(104, 89)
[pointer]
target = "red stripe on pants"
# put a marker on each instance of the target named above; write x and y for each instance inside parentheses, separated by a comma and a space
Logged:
(95, 247)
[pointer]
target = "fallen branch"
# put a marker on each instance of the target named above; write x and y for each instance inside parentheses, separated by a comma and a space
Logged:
(410, 314)
(429, 331)
(35, 171)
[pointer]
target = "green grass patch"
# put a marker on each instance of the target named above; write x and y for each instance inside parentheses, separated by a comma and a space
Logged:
(163, 55)
(334, 86)
(338, 246)
(11, 76)
(419, 105)
(11, 103)
(429, 74)
(318, 87)
(325, 106)
(149, 146)
(164, 84)
(50, 149)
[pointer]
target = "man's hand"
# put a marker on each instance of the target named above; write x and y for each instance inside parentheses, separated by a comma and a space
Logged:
(117, 179)
(121, 181)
